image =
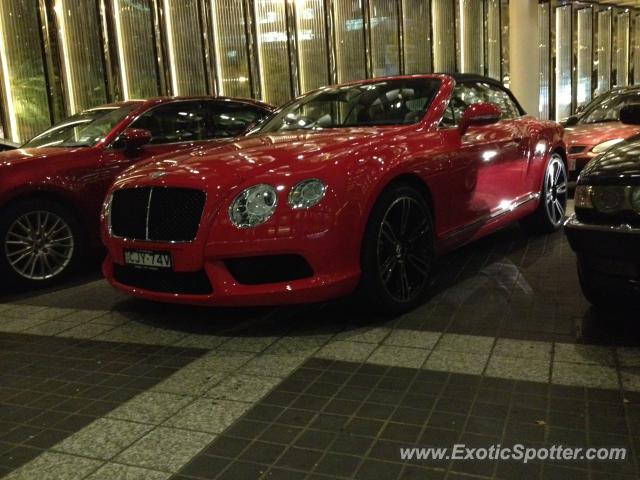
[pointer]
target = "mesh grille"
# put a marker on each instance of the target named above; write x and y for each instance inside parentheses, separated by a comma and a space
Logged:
(129, 212)
(159, 214)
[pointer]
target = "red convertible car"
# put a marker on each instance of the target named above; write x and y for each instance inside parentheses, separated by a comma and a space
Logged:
(355, 186)
(52, 188)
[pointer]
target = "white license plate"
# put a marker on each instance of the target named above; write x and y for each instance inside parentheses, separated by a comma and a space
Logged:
(143, 258)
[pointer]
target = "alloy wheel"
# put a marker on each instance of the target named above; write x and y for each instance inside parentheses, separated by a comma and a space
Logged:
(39, 245)
(555, 190)
(404, 250)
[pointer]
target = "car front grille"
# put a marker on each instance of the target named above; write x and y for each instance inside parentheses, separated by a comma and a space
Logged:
(163, 281)
(161, 214)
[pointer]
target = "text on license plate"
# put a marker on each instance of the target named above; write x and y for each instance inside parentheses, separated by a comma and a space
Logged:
(147, 259)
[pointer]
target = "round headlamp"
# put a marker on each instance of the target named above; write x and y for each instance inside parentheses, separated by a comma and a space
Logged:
(307, 193)
(635, 199)
(253, 206)
(608, 199)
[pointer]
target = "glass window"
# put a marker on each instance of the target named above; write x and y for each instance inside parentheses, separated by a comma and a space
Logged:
(470, 26)
(349, 40)
(174, 122)
(606, 108)
(564, 47)
(621, 58)
(229, 120)
(185, 53)
(84, 129)
(467, 94)
(133, 21)
(24, 90)
(385, 48)
(313, 61)
(230, 39)
(385, 103)
(443, 19)
(584, 62)
(604, 51)
(417, 38)
(273, 50)
(80, 53)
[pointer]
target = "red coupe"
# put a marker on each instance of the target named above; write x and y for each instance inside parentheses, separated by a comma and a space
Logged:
(355, 186)
(51, 188)
(598, 127)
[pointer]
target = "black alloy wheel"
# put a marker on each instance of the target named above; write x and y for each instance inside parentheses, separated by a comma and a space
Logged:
(398, 251)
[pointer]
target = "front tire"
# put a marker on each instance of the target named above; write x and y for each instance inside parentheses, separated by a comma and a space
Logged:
(398, 251)
(41, 243)
(549, 216)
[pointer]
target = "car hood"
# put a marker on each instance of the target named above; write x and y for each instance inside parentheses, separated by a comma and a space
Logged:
(590, 135)
(618, 165)
(28, 156)
(280, 153)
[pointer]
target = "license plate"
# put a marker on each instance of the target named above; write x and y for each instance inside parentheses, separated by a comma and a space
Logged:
(141, 258)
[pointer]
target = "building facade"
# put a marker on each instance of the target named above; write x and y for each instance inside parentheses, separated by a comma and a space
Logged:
(58, 57)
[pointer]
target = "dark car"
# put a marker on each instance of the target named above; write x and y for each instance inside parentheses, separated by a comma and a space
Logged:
(51, 188)
(605, 230)
(597, 127)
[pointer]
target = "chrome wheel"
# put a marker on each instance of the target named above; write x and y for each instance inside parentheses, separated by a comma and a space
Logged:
(555, 190)
(404, 251)
(39, 245)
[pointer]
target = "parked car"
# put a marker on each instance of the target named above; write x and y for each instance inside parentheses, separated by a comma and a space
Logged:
(355, 185)
(598, 127)
(52, 188)
(7, 145)
(605, 229)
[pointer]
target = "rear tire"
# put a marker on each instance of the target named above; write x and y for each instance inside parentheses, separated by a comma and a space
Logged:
(398, 251)
(41, 241)
(549, 215)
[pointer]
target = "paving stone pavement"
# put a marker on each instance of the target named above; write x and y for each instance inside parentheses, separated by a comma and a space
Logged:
(96, 385)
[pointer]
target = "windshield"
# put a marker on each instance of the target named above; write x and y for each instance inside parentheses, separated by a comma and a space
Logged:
(607, 109)
(389, 102)
(83, 129)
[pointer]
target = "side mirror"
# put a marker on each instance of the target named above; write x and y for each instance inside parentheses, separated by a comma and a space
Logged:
(630, 114)
(135, 138)
(479, 114)
(570, 121)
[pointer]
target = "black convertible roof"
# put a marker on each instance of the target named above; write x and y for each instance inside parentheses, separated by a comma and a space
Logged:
(472, 77)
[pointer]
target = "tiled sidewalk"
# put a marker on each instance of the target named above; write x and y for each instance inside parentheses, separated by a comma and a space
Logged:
(506, 350)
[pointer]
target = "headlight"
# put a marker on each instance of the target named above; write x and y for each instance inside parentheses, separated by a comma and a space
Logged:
(608, 199)
(635, 199)
(307, 193)
(601, 147)
(253, 206)
(582, 196)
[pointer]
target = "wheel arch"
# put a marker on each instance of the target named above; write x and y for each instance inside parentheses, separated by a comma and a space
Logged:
(412, 180)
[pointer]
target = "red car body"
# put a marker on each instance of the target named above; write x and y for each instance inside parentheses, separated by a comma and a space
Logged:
(475, 183)
(78, 178)
(580, 140)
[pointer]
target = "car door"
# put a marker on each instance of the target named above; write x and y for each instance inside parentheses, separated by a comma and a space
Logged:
(512, 142)
(472, 162)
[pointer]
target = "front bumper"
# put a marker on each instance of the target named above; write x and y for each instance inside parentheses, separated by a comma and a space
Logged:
(331, 275)
(610, 252)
